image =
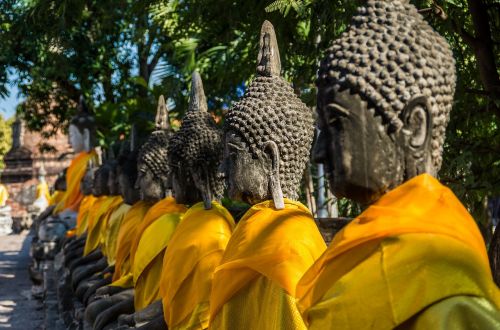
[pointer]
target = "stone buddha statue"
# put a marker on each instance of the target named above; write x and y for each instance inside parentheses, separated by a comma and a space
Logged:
(414, 258)
(157, 224)
(81, 135)
(196, 248)
(268, 135)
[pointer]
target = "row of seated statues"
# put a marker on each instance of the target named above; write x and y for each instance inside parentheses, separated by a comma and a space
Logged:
(146, 243)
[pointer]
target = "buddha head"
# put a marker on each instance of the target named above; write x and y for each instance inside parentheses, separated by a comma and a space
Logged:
(195, 152)
(385, 90)
(82, 129)
(268, 134)
(127, 171)
(101, 177)
(60, 183)
(152, 164)
(112, 163)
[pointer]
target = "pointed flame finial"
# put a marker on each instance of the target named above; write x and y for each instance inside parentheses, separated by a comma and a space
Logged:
(269, 63)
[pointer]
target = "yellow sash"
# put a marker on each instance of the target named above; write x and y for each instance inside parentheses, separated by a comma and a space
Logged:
(83, 212)
(56, 197)
(194, 251)
(97, 219)
(277, 244)
(76, 170)
(164, 206)
(111, 233)
(414, 247)
(4, 195)
(126, 234)
(42, 189)
(148, 259)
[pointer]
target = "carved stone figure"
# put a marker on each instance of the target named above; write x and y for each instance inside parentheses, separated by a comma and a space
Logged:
(154, 184)
(152, 165)
(385, 91)
(268, 135)
(195, 153)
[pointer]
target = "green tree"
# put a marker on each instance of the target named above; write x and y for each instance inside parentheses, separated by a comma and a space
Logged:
(5, 138)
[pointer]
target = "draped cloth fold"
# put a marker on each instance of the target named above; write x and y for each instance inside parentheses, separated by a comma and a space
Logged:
(152, 238)
(267, 254)
(126, 235)
(76, 170)
(413, 248)
(83, 212)
(97, 219)
(193, 253)
(111, 233)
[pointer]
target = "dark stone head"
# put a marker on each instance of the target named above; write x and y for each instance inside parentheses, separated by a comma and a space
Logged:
(385, 90)
(268, 133)
(60, 183)
(127, 173)
(152, 164)
(195, 152)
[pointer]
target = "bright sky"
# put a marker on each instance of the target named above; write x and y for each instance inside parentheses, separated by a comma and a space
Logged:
(8, 105)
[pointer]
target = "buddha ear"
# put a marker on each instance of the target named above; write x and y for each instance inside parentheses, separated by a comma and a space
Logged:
(417, 129)
(206, 194)
(271, 148)
(86, 140)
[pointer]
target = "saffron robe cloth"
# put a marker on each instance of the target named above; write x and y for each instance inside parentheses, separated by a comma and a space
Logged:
(409, 254)
(56, 197)
(193, 253)
(97, 219)
(76, 170)
(4, 195)
(42, 190)
(83, 212)
(155, 232)
(122, 275)
(111, 232)
(269, 251)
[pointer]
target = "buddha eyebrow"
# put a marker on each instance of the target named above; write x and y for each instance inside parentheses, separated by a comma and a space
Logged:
(338, 109)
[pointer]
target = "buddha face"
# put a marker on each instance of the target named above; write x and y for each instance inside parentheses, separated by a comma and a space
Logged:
(361, 159)
(151, 189)
(247, 175)
(184, 187)
(129, 193)
(75, 138)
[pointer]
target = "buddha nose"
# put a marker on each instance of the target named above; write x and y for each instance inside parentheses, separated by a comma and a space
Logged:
(320, 149)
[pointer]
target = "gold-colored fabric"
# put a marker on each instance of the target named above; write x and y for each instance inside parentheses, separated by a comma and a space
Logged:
(414, 247)
(111, 233)
(97, 220)
(164, 206)
(42, 190)
(126, 235)
(83, 212)
(457, 313)
(279, 245)
(148, 260)
(4, 195)
(56, 197)
(249, 309)
(194, 251)
(76, 170)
